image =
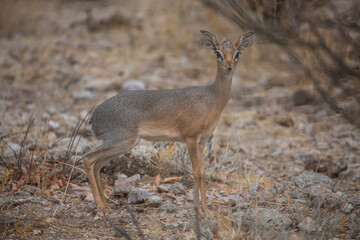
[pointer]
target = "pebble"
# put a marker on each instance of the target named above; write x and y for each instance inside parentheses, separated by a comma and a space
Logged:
(133, 85)
(22, 193)
(177, 188)
(285, 120)
(163, 188)
(178, 225)
(8, 152)
(139, 195)
(347, 208)
(308, 225)
(30, 189)
(167, 206)
(272, 219)
(307, 179)
(54, 125)
(82, 95)
(355, 200)
(302, 97)
(89, 197)
(129, 180)
(254, 189)
(276, 153)
(36, 232)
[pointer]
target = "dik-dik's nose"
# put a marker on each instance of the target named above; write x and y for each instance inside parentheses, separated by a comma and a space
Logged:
(228, 67)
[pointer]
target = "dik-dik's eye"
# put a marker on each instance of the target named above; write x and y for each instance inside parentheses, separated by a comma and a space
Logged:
(219, 56)
(236, 56)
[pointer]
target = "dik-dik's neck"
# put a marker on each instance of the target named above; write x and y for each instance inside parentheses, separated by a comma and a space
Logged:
(222, 86)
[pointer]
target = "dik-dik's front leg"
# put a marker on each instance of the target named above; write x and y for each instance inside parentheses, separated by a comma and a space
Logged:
(195, 148)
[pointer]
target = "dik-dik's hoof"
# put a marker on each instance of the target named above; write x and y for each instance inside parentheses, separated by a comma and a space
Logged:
(104, 208)
(206, 211)
(203, 212)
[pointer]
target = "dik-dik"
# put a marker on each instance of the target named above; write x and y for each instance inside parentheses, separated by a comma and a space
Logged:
(187, 115)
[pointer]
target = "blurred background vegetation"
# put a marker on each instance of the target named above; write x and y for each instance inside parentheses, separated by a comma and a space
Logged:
(315, 42)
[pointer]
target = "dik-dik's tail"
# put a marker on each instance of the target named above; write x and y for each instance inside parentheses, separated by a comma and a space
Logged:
(90, 113)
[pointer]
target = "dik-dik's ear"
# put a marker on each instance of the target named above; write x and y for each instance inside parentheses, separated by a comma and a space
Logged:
(245, 41)
(209, 40)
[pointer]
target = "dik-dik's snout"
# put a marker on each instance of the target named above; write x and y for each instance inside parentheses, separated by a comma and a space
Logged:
(229, 67)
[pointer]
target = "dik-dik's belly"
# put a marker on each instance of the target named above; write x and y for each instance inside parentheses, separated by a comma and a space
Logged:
(159, 133)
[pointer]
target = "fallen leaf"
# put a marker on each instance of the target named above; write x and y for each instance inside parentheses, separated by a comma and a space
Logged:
(170, 179)
(157, 180)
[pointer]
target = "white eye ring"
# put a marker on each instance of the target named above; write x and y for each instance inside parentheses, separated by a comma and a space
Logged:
(219, 56)
(236, 56)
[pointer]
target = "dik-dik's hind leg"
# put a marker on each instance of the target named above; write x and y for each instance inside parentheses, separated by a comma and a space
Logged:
(94, 161)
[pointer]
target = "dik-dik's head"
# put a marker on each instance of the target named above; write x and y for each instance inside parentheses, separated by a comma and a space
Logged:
(227, 54)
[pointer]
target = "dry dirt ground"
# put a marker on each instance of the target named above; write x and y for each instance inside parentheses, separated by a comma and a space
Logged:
(59, 60)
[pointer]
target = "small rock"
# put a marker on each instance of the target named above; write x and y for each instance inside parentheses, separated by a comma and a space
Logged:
(260, 172)
(89, 197)
(8, 152)
(167, 206)
(52, 138)
(318, 190)
(178, 225)
(22, 193)
(59, 150)
(307, 179)
(54, 125)
(322, 145)
(101, 84)
(355, 200)
(272, 219)
(276, 153)
(133, 85)
(123, 186)
(249, 124)
(146, 178)
(133, 179)
(121, 176)
(30, 189)
(308, 225)
(143, 152)
(91, 208)
(347, 208)
(164, 188)
(279, 188)
(302, 157)
(36, 232)
(254, 189)
(177, 188)
(154, 201)
(285, 120)
(121, 189)
(82, 95)
(266, 195)
(139, 195)
(242, 205)
(302, 97)
(52, 110)
(306, 128)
